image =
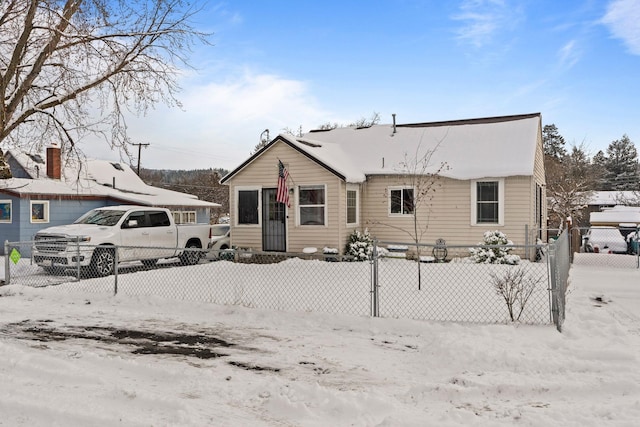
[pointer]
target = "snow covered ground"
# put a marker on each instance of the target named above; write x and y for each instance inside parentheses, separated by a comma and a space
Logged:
(78, 359)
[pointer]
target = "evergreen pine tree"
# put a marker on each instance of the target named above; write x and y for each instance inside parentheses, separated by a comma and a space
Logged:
(553, 142)
(598, 171)
(622, 165)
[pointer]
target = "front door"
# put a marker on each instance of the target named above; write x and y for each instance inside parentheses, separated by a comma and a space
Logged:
(274, 216)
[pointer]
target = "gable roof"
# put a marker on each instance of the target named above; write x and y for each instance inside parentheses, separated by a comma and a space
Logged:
(473, 148)
(93, 179)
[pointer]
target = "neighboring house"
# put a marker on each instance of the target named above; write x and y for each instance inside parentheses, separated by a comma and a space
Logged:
(605, 200)
(47, 191)
(350, 178)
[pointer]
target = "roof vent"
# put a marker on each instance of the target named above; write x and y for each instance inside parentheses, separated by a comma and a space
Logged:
(36, 158)
(394, 122)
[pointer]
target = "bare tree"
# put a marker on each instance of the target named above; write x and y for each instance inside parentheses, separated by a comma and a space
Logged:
(71, 68)
(363, 122)
(418, 174)
(570, 186)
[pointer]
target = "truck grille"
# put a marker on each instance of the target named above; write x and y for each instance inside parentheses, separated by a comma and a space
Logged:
(51, 243)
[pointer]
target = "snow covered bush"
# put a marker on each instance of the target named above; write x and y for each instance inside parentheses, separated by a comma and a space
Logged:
(360, 245)
(496, 250)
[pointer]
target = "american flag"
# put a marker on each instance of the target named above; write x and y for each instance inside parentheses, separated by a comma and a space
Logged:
(282, 195)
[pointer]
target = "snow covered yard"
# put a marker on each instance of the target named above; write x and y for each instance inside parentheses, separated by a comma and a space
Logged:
(77, 358)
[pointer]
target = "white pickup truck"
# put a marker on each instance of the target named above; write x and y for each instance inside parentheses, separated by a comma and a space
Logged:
(141, 233)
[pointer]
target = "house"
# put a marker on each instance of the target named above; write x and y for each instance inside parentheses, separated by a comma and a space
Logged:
(46, 190)
(348, 179)
(601, 201)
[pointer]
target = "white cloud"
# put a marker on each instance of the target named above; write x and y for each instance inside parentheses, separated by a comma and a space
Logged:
(221, 121)
(483, 19)
(623, 20)
(569, 54)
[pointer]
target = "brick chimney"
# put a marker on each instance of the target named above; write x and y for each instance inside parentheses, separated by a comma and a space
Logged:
(53, 162)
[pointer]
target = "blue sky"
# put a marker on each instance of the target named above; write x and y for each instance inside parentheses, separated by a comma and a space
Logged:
(282, 64)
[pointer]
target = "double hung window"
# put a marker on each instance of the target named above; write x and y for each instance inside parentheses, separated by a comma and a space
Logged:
(311, 205)
(487, 202)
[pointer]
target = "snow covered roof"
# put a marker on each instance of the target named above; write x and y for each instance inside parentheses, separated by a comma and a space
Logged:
(616, 215)
(611, 197)
(474, 148)
(93, 177)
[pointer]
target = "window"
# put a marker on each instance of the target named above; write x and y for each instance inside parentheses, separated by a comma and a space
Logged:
(184, 217)
(160, 219)
(39, 211)
(248, 208)
(352, 205)
(311, 204)
(5, 211)
(135, 220)
(487, 202)
(401, 201)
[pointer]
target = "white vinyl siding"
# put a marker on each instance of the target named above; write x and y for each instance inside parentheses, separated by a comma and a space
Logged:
(263, 172)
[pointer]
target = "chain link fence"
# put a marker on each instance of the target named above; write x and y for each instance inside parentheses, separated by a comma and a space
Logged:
(427, 282)
(605, 246)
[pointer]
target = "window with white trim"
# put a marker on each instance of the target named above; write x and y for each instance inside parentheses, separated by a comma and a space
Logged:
(184, 217)
(487, 202)
(352, 205)
(247, 206)
(401, 201)
(6, 211)
(39, 211)
(311, 205)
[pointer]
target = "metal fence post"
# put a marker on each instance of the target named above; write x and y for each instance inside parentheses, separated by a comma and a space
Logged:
(375, 309)
(7, 272)
(78, 258)
(526, 241)
(115, 270)
(637, 247)
(553, 280)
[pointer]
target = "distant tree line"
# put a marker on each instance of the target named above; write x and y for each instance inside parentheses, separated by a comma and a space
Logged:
(572, 176)
(203, 183)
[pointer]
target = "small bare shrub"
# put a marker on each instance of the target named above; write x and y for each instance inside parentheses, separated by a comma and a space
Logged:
(515, 287)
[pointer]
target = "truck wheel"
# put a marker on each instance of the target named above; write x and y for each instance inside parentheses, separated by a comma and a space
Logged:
(103, 262)
(190, 256)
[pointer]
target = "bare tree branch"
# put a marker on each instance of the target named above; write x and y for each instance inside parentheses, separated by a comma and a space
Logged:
(77, 67)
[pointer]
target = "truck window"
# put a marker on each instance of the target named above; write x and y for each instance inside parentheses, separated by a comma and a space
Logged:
(159, 219)
(100, 217)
